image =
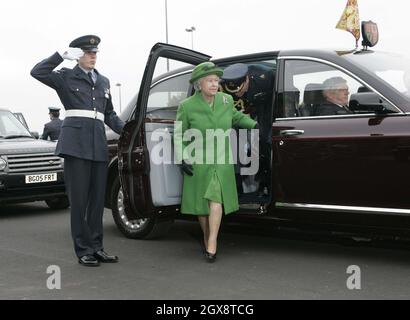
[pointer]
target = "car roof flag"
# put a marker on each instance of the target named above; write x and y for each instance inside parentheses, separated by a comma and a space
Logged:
(350, 21)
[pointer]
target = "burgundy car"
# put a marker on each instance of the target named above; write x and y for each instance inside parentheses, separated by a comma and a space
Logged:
(342, 169)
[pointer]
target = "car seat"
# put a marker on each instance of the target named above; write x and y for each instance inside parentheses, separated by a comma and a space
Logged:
(312, 96)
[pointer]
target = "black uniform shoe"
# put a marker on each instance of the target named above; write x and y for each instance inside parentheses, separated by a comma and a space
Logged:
(103, 256)
(88, 261)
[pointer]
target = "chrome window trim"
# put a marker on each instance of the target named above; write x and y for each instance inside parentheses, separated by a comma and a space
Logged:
(342, 69)
(336, 208)
(362, 115)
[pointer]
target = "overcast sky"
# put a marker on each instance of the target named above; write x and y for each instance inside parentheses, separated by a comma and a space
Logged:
(33, 30)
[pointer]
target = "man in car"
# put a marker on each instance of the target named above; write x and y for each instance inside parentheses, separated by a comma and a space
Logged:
(52, 128)
(336, 94)
(251, 87)
(85, 94)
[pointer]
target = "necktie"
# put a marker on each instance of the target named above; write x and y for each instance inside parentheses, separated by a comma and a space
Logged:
(90, 77)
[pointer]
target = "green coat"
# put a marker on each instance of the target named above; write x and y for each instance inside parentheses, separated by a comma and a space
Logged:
(195, 113)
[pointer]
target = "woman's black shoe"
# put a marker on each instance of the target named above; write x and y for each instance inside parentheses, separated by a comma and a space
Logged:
(210, 257)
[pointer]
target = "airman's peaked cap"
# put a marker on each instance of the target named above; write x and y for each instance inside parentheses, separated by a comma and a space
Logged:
(53, 109)
(86, 43)
(235, 72)
(234, 76)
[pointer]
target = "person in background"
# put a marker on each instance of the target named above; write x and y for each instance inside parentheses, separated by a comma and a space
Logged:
(336, 94)
(52, 129)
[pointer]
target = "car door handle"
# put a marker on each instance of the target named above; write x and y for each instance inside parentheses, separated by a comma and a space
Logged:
(291, 132)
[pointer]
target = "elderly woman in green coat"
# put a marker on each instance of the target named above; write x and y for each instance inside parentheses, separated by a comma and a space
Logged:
(201, 140)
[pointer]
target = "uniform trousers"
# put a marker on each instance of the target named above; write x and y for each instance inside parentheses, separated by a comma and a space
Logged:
(85, 182)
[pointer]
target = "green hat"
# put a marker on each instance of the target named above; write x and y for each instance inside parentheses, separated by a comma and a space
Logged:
(205, 69)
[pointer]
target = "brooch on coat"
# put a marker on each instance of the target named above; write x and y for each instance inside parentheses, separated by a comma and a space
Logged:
(225, 100)
(107, 92)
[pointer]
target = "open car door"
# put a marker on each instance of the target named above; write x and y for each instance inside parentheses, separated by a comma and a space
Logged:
(133, 155)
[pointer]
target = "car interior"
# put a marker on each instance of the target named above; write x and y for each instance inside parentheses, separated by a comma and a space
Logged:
(304, 84)
(313, 96)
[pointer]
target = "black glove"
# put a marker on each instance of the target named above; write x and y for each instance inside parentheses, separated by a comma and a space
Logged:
(187, 168)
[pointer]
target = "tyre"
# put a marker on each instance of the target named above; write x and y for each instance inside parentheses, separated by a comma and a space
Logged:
(58, 203)
(147, 228)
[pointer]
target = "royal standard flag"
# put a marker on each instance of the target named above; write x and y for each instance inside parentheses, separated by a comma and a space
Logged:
(350, 19)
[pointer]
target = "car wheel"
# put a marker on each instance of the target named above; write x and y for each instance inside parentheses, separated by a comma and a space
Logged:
(58, 203)
(147, 228)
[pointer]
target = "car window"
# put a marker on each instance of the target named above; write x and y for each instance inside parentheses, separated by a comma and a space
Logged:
(169, 93)
(314, 89)
(126, 113)
(10, 125)
(21, 118)
(389, 67)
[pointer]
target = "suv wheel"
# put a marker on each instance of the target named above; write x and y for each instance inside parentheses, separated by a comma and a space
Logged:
(58, 203)
(147, 228)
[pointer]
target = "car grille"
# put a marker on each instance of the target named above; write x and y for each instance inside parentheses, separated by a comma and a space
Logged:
(24, 163)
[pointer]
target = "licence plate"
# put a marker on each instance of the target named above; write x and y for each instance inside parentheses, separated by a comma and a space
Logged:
(39, 178)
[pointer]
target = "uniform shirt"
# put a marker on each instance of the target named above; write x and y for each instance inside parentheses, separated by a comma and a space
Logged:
(93, 74)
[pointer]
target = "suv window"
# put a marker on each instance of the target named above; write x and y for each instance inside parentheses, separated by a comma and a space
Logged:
(10, 125)
(313, 89)
(21, 118)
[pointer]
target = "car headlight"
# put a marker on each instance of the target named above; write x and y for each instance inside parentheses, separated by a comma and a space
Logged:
(3, 164)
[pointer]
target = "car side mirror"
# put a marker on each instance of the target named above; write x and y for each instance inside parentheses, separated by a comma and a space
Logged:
(35, 134)
(368, 102)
